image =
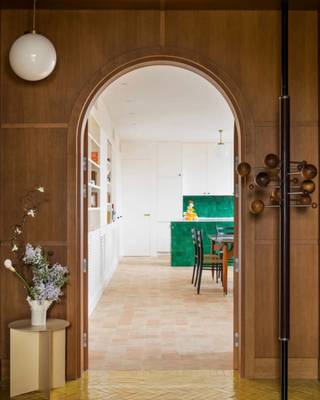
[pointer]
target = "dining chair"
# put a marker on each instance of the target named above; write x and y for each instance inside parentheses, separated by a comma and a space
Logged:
(225, 231)
(207, 262)
(195, 243)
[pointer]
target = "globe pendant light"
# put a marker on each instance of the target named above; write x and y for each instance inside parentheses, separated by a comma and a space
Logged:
(32, 56)
(221, 149)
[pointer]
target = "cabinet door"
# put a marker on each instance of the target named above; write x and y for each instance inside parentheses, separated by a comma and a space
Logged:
(220, 171)
(169, 199)
(194, 168)
(164, 237)
(169, 159)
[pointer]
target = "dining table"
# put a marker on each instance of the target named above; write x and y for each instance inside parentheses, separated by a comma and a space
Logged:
(224, 242)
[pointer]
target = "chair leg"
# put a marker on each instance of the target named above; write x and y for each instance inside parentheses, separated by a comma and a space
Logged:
(197, 275)
(212, 271)
(200, 275)
(194, 270)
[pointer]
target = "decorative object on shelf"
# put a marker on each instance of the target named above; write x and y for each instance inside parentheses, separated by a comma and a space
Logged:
(113, 213)
(109, 176)
(221, 150)
(32, 57)
(190, 215)
(108, 159)
(108, 217)
(94, 199)
(286, 185)
(93, 177)
(95, 156)
(47, 280)
(108, 197)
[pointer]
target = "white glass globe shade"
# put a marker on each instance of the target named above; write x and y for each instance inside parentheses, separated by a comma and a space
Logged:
(32, 57)
(221, 150)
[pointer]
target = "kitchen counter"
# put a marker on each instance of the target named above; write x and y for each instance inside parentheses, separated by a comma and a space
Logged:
(182, 248)
(223, 219)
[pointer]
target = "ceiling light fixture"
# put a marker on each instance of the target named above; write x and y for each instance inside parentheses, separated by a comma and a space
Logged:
(32, 56)
(221, 149)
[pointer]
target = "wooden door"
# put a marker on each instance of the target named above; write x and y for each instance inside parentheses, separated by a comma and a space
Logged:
(85, 255)
(236, 256)
(136, 205)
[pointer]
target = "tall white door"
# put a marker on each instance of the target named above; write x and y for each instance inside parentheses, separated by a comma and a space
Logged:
(136, 204)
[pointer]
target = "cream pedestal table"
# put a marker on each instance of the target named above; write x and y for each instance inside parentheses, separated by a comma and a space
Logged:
(37, 356)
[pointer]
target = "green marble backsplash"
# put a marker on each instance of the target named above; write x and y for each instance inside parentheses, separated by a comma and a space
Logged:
(210, 206)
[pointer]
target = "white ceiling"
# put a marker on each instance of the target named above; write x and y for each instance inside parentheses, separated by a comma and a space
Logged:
(165, 103)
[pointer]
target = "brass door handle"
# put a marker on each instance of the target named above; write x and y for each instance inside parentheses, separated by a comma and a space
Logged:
(147, 215)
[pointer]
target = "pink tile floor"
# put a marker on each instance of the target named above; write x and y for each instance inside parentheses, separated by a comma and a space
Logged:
(151, 318)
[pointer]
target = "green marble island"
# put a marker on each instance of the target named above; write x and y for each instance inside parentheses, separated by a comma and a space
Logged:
(212, 211)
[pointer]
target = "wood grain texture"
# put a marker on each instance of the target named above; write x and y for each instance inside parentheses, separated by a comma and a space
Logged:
(299, 368)
(29, 157)
(242, 50)
(267, 343)
(156, 4)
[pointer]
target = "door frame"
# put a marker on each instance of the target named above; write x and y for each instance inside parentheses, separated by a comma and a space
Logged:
(75, 205)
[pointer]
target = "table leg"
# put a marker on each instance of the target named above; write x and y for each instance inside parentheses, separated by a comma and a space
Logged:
(45, 363)
(225, 267)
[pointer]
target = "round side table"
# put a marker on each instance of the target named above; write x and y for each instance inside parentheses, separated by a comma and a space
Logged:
(37, 356)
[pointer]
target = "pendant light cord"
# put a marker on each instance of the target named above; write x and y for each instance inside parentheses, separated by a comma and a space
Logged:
(34, 15)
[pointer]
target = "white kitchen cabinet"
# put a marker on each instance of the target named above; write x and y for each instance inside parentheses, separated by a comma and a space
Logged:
(194, 168)
(169, 199)
(219, 171)
(204, 173)
(164, 237)
(169, 159)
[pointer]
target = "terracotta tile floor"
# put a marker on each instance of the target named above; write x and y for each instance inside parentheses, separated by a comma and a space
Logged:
(151, 318)
(171, 385)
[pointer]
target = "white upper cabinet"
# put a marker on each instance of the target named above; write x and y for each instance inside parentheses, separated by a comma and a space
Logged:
(194, 168)
(204, 173)
(169, 159)
(169, 199)
(219, 171)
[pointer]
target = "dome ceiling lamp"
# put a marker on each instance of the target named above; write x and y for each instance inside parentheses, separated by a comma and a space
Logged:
(221, 150)
(32, 57)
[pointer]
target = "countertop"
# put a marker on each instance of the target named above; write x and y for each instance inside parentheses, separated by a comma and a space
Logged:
(221, 219)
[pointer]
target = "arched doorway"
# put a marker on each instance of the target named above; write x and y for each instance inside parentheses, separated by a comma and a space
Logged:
(98, 83)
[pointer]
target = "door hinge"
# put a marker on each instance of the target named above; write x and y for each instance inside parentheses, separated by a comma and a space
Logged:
(85, 265)
(236, 193)
(236, 339)
(84, 191)
(85, 340)
(84, 163)
(236, 162)
(236, 264)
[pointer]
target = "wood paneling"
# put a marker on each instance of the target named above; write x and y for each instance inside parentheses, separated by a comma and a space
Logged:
(29, 157)
(242, 48)
(267, 303)
(299, 368)
(156, 4)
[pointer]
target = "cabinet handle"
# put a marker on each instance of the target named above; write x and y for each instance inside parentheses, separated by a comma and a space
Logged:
(147, 215)
(204, 192)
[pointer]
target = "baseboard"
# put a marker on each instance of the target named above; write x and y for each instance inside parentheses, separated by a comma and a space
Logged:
(94, 301)
(163, 254)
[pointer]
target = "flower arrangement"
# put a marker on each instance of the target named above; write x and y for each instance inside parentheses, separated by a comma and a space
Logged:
(47, 280)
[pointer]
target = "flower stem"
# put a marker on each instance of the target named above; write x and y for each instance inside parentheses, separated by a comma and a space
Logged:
(31, 292)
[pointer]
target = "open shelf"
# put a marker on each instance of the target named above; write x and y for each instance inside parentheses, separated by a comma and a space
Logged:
(94, 164)
(94, 186)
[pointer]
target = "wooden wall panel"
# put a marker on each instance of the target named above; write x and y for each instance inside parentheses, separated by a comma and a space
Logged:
(28, 157)
(84, 41)
(244, 45)
(267, 303)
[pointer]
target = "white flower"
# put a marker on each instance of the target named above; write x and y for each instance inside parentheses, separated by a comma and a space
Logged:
(18, 231)
(14, 248)
(8, 264)
(30, 212)
(40, 189)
